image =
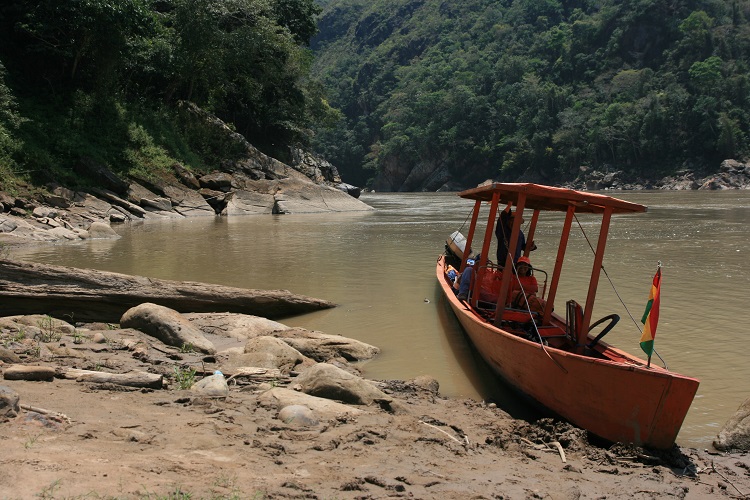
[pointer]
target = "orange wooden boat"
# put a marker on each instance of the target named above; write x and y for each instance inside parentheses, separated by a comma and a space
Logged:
(557, 361)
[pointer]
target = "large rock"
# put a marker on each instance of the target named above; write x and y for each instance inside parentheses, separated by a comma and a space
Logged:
(324, 380)
(8, 356)
(297, 196)
(298, 416)
(148, 200)
(92, 203)
(732, 175)
(9, 406)
(735, 435)
(214, 386)
(100, 230)
(322, 347)
(234, 325)
(218, 181)
(187, 202)
(128, 207)
(279, 397)
(15, 229)
(349, 189)
(167, 325)
(267, 352)
(62, 233)
(243, 202)
(314, 167)
(427, 382)
(36, 324)
(186, 177)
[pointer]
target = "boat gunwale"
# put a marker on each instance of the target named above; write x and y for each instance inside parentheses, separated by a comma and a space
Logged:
(638, 363)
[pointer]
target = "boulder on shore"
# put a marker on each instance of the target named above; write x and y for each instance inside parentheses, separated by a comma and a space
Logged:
(9, 399)
(167, 325)
(269, 352)
(279, 397)
(322, 346)
(327, 381)
(235, 325)
(735, 435)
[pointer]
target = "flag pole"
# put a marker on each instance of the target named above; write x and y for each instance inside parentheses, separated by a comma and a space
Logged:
(651, 316)
(658, 269)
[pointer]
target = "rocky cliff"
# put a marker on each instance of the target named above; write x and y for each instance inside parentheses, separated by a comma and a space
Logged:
(252, 183)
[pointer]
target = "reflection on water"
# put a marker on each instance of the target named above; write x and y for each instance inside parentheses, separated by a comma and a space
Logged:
(380, 268)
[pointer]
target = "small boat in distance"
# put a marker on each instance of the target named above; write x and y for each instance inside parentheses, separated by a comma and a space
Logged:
(558, 361)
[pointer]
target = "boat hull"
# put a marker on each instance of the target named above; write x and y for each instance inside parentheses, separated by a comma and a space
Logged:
(618, 399)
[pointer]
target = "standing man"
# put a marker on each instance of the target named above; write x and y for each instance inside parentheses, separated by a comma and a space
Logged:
(502, 231)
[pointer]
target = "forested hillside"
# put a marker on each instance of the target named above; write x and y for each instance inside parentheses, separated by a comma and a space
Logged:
(103, 79)
(435, 91)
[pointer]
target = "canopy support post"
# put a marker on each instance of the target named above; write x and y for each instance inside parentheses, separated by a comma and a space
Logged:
(562, 247)
(595, 272)
(530, 236)
(470, 236)
(508, 269)
(476, 285)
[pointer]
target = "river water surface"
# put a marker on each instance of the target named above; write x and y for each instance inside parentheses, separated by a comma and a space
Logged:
(379, 267)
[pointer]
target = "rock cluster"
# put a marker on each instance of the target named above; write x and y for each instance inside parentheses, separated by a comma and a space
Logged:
(67, 215)
(155, 347)
(140, 413)
(732, 174)
(251, 184)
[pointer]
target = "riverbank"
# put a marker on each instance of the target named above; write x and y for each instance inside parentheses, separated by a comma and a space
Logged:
(75, 437)
(200, 449)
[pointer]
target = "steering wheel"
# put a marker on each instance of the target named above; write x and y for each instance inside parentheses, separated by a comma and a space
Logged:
(612, 318)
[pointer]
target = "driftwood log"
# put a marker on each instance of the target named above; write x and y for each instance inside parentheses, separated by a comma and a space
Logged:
(90, 295)
(29, 372)
(131, 379)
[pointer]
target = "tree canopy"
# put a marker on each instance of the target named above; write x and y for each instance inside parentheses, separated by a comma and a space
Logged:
(487, 88)
(94, 66)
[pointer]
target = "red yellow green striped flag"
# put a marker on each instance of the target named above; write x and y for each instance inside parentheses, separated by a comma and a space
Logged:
(651, 315)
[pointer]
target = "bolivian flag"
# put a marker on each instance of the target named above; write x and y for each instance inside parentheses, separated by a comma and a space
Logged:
(651, 315)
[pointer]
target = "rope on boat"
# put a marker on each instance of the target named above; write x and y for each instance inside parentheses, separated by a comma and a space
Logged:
(464, 222)
(536, 329)
(612, 284)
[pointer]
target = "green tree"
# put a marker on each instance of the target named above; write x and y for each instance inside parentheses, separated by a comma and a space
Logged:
(696, 32)
(79, 43)
(298, 16)
(706, 75)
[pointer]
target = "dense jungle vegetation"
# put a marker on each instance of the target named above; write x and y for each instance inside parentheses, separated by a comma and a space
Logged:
(470, 89)
(102, 79)
(495, 88)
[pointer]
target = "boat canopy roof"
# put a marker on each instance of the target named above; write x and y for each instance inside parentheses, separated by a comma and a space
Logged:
(549, 198)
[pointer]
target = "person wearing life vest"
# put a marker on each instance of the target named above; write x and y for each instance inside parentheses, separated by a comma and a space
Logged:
(525, 287)
(525, 276)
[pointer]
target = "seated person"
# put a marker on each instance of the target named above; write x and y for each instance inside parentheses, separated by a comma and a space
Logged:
(525, 276)
(525, 287)
(464, 279)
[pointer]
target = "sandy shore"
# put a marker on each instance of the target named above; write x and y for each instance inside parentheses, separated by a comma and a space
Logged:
(110, 441)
